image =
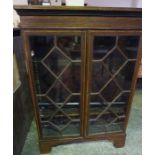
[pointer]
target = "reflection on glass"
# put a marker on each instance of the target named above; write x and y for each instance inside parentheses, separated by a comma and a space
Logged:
(100, 76)
(102, 45)
(113, 65)
(129, 45)
(58, 93)
(71, 77)
(96, 106)
(110, 92)
(56, 61)
(43, 78)
(45, 107)
(65, 122)
(71, 46)
(57, 72)
(40, 46)
(123, 99)
(124, 77)
(106, 123)
(114, 61)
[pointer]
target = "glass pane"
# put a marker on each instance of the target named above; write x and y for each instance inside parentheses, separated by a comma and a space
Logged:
(110, 92)
(106, 116)
(106, 123)
(46, 107)
(102, 45)
(114, 61)
(57, 73)
(40, 46)
(96, 106)
(56, 61)
(124, 77)
(129, 45)
(64, 122)
(71, 77)
(113, 65)
(123, 99)
(100, 76)
(72, 107)
(71, 45)
(43, 78)
(58, 93)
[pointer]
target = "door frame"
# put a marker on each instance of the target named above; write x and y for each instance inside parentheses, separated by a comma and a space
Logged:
(28, 62)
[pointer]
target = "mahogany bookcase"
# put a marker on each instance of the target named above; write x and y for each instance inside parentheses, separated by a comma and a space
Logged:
(82, 64)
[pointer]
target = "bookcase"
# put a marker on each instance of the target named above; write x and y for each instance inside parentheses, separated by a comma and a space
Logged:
(82, 65)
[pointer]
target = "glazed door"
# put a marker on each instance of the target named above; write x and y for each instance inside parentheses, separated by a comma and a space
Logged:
(112, 58)
(57, 62)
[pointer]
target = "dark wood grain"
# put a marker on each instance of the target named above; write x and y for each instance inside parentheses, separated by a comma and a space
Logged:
(69, 8)
(67, 22)
(22, 103)
(87, 22)
(77, 11)
(118, 139)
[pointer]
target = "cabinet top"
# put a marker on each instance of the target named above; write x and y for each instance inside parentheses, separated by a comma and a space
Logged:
(38, 10)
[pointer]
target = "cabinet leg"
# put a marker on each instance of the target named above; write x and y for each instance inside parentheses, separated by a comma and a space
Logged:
(44, 148)
(119, 142)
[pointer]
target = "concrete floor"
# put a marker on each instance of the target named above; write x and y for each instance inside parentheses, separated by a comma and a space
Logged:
(133, 144)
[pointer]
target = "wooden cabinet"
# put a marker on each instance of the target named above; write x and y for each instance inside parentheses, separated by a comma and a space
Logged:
(82, 64)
